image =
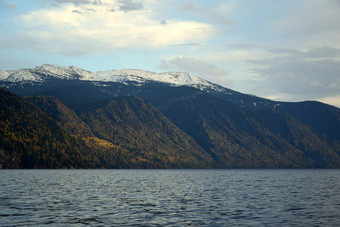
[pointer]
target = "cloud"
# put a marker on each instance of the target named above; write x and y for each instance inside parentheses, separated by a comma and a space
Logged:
(312, 73)
(130, 5)
(199, 67)
(87, 29)
(11, 6)
(282, 73)
(76, 11)
(312, 53)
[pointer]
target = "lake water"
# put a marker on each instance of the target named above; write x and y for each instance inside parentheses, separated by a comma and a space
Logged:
(170, 197)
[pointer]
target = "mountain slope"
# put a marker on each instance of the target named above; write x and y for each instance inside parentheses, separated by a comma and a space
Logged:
(149, 139)
(100, 153)
(323, 118)
(65, 117)
(31, 139)
(238, 137)
(141, 129)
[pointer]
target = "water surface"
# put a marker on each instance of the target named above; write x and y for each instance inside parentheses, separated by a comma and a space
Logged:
(170, 197)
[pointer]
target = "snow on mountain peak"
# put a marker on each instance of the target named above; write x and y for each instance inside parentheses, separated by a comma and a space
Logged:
(23, 75)
(140, 76)
(44, 72)
(4, 74)
(68, 73)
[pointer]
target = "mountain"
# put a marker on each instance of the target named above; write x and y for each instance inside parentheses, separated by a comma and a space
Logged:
(208, 122)
(47, 74)
(122, 133)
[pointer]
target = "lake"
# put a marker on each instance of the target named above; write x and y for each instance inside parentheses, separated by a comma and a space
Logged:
(170, 197)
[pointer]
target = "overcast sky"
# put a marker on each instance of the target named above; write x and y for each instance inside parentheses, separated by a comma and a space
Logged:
(283, 50)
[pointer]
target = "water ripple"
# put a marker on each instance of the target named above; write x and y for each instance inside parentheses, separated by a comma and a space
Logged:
(170, 197)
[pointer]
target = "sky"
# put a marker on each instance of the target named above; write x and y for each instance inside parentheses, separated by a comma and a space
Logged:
(282, 50)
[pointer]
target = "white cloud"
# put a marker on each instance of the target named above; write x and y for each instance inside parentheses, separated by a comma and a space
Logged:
(87, 28)
(199, 67)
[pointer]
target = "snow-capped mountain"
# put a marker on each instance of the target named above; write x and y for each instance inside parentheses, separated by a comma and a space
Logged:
(45, 72)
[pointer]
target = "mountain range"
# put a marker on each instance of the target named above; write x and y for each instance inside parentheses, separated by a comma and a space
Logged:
(66, 117)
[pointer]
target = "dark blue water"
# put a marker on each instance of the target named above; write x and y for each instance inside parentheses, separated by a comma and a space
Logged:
(170, 197)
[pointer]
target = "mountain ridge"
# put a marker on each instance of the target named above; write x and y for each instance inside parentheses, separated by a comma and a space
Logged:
(231, 129)
(47, 72)
(119, 75)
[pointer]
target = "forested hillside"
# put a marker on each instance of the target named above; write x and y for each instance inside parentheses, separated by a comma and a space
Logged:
(121, 133)
(31, 139)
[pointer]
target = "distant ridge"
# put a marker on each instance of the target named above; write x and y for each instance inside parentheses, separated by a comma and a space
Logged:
(43, 74)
